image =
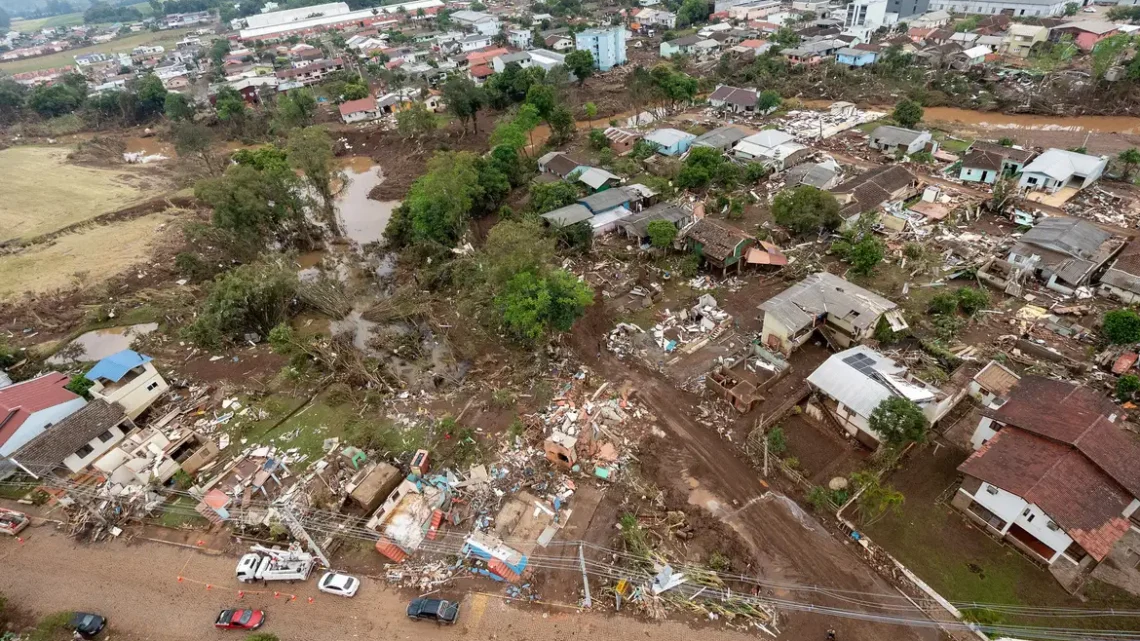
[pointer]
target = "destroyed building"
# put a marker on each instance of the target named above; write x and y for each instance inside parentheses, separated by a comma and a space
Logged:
(871, 189)
(76, 442)
(1121, 281)
(845, 314)
(852, 383)
(129, 379)
(719, 244)
(1064, 252)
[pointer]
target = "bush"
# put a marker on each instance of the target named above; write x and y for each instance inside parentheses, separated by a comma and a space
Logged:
(866, 255)
(80, 385)
(532, 306)
(943, 303)
(971, 300)
(1126, 387)
(662, 233)
(913, 251)
(719, 562)
(884, 334)
(1122, 326)
(777, 442)
(250, 299)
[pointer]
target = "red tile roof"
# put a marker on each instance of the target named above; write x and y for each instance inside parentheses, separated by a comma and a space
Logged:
(481, 71)
(354, 106)
(1077, 494)
(19, 401)
(1054, 409)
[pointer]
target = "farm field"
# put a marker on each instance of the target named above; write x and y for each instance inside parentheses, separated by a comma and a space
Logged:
(121, 45)
(64, 20)
(42, 192)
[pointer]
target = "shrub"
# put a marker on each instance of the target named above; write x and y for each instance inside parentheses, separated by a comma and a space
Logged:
(806, 210)
(866, 255)
(249, 299)
(661, 233)
(1126, 386)
(1122, 326)
(80, 385)
(777, 442)
(971, 300)
(719, 562)
(943, 303)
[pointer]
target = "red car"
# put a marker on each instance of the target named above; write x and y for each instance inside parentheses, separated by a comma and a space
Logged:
(240, 619)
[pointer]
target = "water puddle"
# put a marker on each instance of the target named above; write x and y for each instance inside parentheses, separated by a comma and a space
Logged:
(357, 164)
(149, 146)
(362, 219)
(362, 331)
(101, 343)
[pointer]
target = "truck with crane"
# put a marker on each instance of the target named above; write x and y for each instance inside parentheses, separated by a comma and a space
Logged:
(275, 564)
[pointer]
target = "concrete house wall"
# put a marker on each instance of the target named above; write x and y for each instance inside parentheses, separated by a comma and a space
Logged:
(39, 421)
(98, 446)
(135, 394)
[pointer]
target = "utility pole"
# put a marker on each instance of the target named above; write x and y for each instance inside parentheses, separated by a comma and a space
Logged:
(587, 602)
(289, 518)
(765, 457)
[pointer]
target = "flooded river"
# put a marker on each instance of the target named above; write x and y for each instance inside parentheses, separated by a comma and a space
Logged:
(362, 219)
(983, 119)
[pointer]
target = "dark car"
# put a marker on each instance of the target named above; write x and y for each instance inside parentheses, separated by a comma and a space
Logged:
(87, 625)
(438, 610)
(240, 619)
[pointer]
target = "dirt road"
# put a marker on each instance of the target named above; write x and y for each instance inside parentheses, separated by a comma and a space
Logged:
(137, 588)
(787, 544)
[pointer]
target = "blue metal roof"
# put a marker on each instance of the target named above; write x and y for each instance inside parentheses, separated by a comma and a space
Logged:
(115, 366)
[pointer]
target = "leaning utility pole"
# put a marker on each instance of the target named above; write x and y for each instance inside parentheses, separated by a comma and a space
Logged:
(289, 518)
(587, 602)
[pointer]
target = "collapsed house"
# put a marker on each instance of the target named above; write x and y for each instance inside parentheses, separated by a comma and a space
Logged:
(1054, 476)
(129, 379)
(845, 314)
(852, 383)
(1121, 281)
(1064, 252)
(720, 245)
(871, 189)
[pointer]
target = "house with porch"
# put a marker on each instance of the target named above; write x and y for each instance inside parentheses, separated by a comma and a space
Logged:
(844, 313)
(1056, 169)
(986, 161)
(1054, 476)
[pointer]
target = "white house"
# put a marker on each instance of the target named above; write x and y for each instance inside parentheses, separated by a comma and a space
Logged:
(772, 147)
(1055, 477)
(477, 21)
(148, 455)
(520, 38)
(129, 379)
(475, 42)
(891, 140)
(852, 383)
(30, 407)
(75, 442)
(1056, 169)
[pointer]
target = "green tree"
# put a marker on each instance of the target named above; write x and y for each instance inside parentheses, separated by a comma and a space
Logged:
(1107, 52)
(1126, 387)
(439, 203)
(514, 247)
(899, 421)
(777, 442)
(543, 99)
(907, 113)
(546, 197)
(1071, 8)
(971, 300)
(1130, 159)
(562, 126)
(591, 111)
(875, 499)
(81, 384)
(178, 107)
(252, 298)
(785, 37)
(256, 204)
(196, 141)
(311, 153)
(230, 106)
(533, 306)
(806, 210)
(417, 120)
(580, 63)
(151, 96)
(598, 139)
(693, 12)
(12, 98)
(295, 109)
(699, 168)
(768, 99)
(661, 233)
(1121, 326)
(50, 101)
(866, 255)
(464, 100)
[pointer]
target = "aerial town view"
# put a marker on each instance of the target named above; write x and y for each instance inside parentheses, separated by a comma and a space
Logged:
(515, 320)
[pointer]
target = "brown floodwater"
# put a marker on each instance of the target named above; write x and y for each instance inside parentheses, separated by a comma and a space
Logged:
(983, 119)
(362, 219)
(150, 146)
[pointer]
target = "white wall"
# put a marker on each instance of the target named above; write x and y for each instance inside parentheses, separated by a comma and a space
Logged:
(38, 422)
(1013, 509)
(984, 432)
(988, 7)
(135, 395)
(99, 448)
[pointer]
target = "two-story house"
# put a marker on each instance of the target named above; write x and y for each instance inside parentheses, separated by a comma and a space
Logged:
(129, 379)
(30, 407)
(76, 442)
(1055, 477)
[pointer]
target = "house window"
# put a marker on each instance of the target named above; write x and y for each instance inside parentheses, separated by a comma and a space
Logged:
(991, 490)
(106, 436)
(1053, 526)
(84, 451)
(152, 386)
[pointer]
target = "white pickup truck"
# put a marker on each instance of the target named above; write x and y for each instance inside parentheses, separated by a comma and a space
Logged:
(269, 564)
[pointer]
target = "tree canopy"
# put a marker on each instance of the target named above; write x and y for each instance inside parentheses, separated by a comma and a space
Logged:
(806, 210)
(907, 113)
(899, 421)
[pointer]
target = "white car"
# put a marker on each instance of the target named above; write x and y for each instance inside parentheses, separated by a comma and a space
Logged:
(339, 584)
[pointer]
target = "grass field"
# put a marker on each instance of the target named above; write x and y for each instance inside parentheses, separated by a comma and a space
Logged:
(81, 259)
(41, 192)
(122, 45)
(65, 20)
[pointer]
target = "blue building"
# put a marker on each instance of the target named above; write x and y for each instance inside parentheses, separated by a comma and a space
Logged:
(606, 45)
(670, 142)
(853, 57)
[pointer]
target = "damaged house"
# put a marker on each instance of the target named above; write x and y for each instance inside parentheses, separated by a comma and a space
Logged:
(852, 383)
(844, 313)
(1064, 252)
(129, 379)
(1055, 477)
(872, 189)
(1121, 281)
(74, 443)
(1057, 169)
(720, 245)
(897, 140)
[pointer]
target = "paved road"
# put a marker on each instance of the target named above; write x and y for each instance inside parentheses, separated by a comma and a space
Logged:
(136, 587)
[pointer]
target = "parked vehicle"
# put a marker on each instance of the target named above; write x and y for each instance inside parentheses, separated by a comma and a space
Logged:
(438, 610)
(272, 564)
(87, 625)
(240, 619)
(11, 521)
(339, 584)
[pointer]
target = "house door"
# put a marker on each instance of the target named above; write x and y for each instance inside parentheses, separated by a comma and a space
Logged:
(985, 175)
